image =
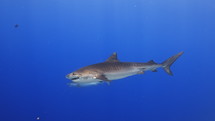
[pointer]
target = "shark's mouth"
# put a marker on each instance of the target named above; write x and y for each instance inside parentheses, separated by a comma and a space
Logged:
(75, 78)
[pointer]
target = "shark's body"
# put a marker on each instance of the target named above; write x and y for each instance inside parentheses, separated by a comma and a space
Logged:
(113, 69)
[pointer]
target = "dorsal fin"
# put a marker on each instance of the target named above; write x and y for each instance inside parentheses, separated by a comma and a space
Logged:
(113, 58)
(151, 62)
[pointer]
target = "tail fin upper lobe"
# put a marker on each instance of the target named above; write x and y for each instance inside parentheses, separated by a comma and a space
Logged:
(167, 63)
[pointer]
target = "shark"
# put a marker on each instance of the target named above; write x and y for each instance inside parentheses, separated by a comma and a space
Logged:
(113, 69)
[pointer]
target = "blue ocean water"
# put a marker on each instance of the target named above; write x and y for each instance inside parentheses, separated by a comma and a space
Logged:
(43, 40)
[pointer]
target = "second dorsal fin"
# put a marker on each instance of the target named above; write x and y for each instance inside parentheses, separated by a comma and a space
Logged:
(113, 58)
(151, 62)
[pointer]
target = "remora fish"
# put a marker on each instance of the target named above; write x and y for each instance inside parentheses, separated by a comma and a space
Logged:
(113, 69)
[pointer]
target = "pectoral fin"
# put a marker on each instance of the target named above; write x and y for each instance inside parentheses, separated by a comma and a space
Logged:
(102, 77)
(140, 72)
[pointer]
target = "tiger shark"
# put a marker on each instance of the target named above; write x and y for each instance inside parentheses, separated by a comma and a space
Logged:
(113, 69)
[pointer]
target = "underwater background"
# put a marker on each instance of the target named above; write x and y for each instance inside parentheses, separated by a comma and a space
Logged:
(41, 41)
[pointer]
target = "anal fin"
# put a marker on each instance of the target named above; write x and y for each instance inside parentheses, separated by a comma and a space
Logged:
(154, 70)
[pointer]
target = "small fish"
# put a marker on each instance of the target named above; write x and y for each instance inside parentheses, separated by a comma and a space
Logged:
(113, 69)
(16, 25)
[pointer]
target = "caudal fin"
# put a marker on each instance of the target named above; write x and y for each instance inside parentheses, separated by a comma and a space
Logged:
(167, 63)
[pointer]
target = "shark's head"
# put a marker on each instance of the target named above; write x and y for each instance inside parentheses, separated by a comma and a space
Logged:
(83, 78)
(74, 76)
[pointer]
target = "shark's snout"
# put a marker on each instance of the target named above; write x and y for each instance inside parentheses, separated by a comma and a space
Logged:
(67, 76)
(71, 76)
